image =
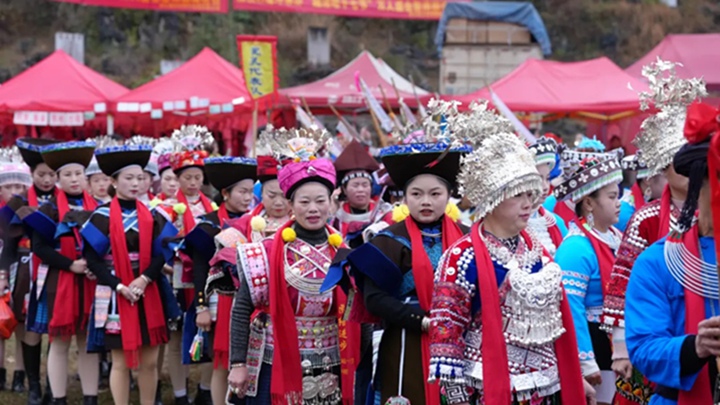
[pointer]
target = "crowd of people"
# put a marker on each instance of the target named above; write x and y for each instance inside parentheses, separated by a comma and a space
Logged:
(292, 278)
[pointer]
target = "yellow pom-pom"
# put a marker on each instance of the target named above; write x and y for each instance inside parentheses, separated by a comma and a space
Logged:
(452, 211)
(180, 208)
(296, 160)
(335, 240)
(214, 206)
(155, 202)
(289, 235)
(400, 212)
(258, 223)
(312, 158)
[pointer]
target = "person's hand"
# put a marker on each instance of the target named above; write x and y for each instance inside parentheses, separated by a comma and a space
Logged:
(594, 379)
(128, 294)
(238, 381)
(203, 320)
(590, 393)
(138, 286)
(79, 266)
(622, 368)
(167, 269)
(707, 341)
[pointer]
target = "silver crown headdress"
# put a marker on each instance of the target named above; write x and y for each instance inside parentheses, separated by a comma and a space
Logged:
(296, 144)
(192, 138)
(661, 134)
(13, 169)
(500, 166)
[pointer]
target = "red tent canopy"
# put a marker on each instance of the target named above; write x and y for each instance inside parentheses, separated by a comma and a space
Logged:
(58, 84)
(698, 53)
(340, 90)
(205, 83)
(596, 86)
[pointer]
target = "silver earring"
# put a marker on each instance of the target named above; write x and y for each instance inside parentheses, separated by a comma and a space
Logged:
(590, 219)
(647, 194)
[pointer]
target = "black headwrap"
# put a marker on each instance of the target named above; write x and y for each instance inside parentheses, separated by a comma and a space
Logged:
(691, 161)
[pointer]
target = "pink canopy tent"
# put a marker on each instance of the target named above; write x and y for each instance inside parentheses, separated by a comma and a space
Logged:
(340, 90)
(698, 54)
(58, 84)
(595, 86)
(206, 90)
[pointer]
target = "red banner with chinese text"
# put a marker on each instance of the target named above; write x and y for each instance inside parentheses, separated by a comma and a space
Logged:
(258, 61)
(207, 6)
(398, 9)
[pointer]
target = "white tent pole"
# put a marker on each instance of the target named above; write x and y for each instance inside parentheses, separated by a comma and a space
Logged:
(110, 125)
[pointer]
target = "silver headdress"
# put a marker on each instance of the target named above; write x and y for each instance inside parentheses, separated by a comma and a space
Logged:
(296, 144)
(661, 135)
(146, 141)
(500, 166)
(101, 142)
(192, 138)
(13, 169)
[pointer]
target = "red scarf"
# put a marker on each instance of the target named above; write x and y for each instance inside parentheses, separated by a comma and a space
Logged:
(67, 310)
(221, 342)
(424, 274)
(694, 314)
(188, 218)
(605, 255)
(247, 218)
(665, 212)
(345, 226)
(286, 386)
(638, 196)
(554, 231)
(129, 316)
(564, 212)
(223, 215)
(496, 375)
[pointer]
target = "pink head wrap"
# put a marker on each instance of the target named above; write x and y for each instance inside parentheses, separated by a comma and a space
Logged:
(294, 174)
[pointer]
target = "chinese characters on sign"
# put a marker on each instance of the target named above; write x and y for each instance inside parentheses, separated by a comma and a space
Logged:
(401, 9)
(208, 6)
(258, 60)
(42, 118)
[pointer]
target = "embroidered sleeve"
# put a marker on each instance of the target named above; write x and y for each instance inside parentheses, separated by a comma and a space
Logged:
(253, 263)
(576, 258)
(634, 242)
(450, 316)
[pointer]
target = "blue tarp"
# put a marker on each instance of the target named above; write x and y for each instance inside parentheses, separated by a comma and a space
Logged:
(520, 13)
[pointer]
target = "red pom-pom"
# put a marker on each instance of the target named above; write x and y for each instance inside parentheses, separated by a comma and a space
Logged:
(701, 122)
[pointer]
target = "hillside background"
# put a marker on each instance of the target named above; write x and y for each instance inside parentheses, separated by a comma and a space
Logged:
(127, 45)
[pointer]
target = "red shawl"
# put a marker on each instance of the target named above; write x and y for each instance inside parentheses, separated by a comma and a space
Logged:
(424, 274)
(129, 314)
(67, 309)
(223, 215)
(286, 386)
(496, 375)
(245, 226)
(188, 218)
(665, 212)
(564, 212)
(694, 314)
(554, 231)
(605, 255)
(33, 198)
(355, 226)
(638, 197)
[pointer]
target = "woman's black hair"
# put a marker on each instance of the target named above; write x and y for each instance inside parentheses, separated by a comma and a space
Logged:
(443, 181)
(579, 205)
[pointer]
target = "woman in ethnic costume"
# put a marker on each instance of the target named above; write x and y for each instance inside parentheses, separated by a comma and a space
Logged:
(124, 249)
(15, 179)
(185, 208)
(272, 212)
(234, 177)
(547, 226)
(660, 138)
(586, 257)
(281, 279)
(672, 325)
(497, 285)
(394, 272)
(63, 283)
(17, 252)
(357, 209)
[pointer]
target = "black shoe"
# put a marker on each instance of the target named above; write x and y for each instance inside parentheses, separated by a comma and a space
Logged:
(90, 400)
(59, 401)
(203, 397)
(34, 393)
(31, 357)
(18, 383)
(3, 378)
(158, 394)
(182, 400)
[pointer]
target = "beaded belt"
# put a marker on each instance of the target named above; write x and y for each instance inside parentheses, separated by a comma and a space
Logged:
(317, 339)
